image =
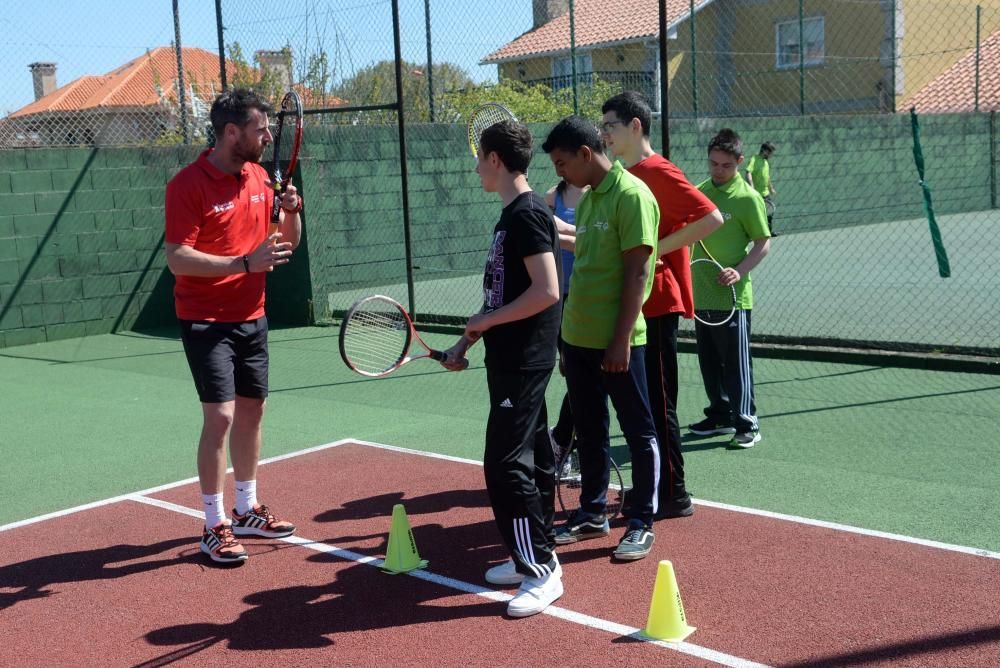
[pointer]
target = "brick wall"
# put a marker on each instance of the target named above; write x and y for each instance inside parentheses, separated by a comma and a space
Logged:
(81, 235)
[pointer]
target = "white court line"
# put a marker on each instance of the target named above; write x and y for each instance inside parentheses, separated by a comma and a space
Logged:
(555, 611)
(154, 490)
(835, 526)
(847, 528)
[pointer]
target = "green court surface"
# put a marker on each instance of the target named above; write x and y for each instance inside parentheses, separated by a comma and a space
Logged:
(904, 451)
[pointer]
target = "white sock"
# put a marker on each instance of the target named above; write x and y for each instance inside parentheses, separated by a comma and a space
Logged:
(246, 496)
(215, 509)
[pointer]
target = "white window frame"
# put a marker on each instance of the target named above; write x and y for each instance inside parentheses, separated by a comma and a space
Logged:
(792, 61)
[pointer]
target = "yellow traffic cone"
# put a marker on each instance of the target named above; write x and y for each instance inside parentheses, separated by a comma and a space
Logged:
(401, 554)
(666, 611)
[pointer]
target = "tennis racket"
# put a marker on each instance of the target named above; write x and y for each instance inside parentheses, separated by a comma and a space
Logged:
(569, 483)
(715, 304)
(483, 117)
(376, 337)
(287, 142)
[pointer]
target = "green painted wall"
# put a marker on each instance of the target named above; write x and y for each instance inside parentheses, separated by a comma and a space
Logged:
(81, 234)
(81, 230)
(833, 171)
(81, 244)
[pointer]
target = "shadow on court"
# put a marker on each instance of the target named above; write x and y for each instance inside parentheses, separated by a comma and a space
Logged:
(913, 649)
(381, 505)
(360, 599)
(695, 443)
(34, 578)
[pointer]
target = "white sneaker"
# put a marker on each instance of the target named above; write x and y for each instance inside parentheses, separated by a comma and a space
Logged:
(535, 595)
(504, 574)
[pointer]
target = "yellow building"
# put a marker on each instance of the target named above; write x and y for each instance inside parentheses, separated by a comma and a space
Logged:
(745, 57)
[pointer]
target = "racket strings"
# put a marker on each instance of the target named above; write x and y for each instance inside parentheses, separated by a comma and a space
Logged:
(484, 118)
(714, 302)
(284, 138)
(376, 341)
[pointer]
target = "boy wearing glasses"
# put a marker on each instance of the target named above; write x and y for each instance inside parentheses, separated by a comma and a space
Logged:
(686, 216)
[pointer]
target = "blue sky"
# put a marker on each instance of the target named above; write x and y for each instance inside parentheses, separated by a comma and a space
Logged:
(97, 36)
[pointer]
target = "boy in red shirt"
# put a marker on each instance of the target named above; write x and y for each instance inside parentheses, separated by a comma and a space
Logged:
(217, 214)
(686, 216)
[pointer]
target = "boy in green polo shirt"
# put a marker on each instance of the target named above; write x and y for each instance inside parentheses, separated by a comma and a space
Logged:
(759, 176)
(724, 351)
(604, 333)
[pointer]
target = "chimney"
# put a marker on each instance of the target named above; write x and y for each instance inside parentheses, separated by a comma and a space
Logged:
(544, 11)
(278, 63)
(44, 77)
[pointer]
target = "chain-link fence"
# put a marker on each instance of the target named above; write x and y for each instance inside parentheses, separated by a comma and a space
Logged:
(73, 80)
(865, 275)
(829, 81)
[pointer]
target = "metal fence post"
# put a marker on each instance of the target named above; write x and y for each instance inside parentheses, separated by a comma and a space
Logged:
(222, 44)
(694, 61)
(572, 53)
(979, 21)
(180, 75)
(403, 176)
(895, 56)
(993, 159)
(664, 84)
(430, 60)
(802, 58)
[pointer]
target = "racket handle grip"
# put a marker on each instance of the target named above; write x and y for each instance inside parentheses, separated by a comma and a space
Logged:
(439, 356)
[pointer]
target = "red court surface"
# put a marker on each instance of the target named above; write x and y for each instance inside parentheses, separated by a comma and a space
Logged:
(124, 584)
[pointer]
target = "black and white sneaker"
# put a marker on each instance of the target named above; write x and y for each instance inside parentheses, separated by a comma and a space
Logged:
(582, 525)
(260, 521)
(745, 439)
(636, 543)
(709, 427)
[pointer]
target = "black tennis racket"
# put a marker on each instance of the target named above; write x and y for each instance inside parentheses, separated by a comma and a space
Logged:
(569, 483)
(483, 117)
(377, 335)
(714, 303)
(285, 156)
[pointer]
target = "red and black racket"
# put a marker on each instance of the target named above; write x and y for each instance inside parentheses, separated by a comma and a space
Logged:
(376, 336)
(287, 142)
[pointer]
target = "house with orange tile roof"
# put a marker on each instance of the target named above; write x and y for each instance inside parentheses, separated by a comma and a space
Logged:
(955, 89)
(136, 103)
(741, 57)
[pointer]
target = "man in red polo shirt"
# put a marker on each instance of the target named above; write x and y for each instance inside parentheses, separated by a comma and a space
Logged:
(218, 248)
(686, 216)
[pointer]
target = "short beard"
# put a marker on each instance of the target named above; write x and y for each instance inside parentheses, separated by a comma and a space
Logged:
(246, 154)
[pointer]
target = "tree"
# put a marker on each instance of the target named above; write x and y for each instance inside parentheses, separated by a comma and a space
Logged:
(530, 103)
(261, 78)
(316, 78)
(376, 84)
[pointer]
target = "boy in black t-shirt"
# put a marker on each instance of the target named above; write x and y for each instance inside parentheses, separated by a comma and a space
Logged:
(519, 324)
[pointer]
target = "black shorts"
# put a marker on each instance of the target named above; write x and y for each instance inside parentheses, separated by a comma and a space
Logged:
(227, 358)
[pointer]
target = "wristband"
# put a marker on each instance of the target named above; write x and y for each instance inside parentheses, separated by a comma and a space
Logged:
(246, 263)
(297, 209)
